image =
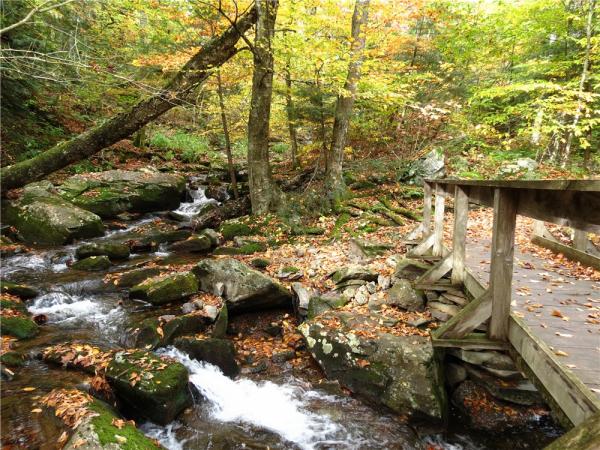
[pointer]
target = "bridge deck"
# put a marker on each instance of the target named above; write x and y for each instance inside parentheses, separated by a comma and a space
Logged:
(542, 293)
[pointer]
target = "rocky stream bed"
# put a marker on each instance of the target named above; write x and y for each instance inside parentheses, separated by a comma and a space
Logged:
(122, 330)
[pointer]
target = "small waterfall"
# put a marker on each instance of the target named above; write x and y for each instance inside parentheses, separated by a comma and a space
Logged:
(198, 202)
(281, 409)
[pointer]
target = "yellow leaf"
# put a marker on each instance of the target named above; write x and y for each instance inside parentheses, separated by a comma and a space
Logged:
(29, 389)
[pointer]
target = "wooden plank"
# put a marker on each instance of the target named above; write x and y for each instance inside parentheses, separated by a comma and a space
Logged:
(580, 240)
(473, 287)
(503, 247)
(437, 271)
(470, 342)
(426, 223)
(469, 318)
(459, 235)
(570, 252)
(438, 222)
(561, 185)
(422, 247)
(575, 400)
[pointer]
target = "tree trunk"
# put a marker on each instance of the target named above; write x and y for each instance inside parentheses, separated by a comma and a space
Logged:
(226, 135)
(262, 193)
(582, 82)
(343, 109)
(290, 115)
(196, 70)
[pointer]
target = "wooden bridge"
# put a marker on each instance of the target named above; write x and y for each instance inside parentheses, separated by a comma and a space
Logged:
(572, 394)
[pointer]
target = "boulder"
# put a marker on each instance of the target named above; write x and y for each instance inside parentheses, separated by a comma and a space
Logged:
(243, 288)
(302, 297)
(18, 325)
(219, 352)
(318, 305)
(20, 290)
(100, 427)
(430, 166)
(112, 250)
(115, 191)
(585, 436)
(442, 311)
(157, 332)
(402, 294)
(165, 289)
(353, 273)
(152, 239)
(136, 276)
(217, 192)
(153, 387)
(231, 229)
(198, 243)
(490, 414)
(41, 217)
(214, 237)
(220, 328)
(400, 372)
(92, 264)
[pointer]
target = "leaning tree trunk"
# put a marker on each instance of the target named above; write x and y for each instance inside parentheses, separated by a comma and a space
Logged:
(196, 70)
(226, 136)
(333, 178)
(262, 188)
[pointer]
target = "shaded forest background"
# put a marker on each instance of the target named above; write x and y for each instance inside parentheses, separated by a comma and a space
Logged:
(486, 83)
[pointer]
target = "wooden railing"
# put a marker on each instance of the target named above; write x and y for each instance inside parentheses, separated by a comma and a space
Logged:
(571, 203)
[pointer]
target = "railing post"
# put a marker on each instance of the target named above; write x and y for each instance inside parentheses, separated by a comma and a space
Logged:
(580, 240)
(438, 221)
(426, 224)
(459, 235)
(503, 246)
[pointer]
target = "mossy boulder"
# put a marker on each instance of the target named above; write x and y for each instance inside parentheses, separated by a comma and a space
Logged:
(402, 294)
(399, 372)
(114, 250)
(92, 264)
(112, 192)
(353, 273)
(220, 327)
(165, 289)
(136, 276)
(99, 432)
(20, 290)
(41, 217)
(19, 326)
(151, 240)
(219, 352)
(153, 387)
(243, 288)
(8, 302)
(232, 229)
(12, 359)
(157, 332)
(247, 248)
(318, 305)
(260, 263)
(199, 243)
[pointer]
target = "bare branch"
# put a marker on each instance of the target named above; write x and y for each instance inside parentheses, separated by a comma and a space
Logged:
(39, 8)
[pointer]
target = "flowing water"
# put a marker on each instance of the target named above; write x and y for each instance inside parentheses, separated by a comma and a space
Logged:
(284, 412)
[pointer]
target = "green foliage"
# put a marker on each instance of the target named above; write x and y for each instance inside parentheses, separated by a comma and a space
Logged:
(188, 147)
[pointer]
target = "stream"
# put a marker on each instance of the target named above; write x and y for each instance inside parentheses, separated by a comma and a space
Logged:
(257, 412)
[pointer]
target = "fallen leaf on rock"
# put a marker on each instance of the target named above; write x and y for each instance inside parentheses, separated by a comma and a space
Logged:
(36, 410)
(564, 335)
(556, 313)
(560, 353)
(29, 389)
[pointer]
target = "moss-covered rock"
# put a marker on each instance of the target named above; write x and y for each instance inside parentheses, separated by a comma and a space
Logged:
(151, 240)
(585, 436)
(12, 359)
(165, 289)
(114, 250)
(220, 327)
(115, 191)
(41, 217)
(7, 302)
(248, 248)
(260, 263)
(353, 273)
(21, 327)
(219, 352)
(231, 229)
(199, 243)
(318, 305)
(152, 333)
(153, 387)
(92, 264)
(243, 288)
(136, 276)
(400, 372)
(20, 290)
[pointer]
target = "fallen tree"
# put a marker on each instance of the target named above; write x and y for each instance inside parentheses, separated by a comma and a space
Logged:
(196, 70)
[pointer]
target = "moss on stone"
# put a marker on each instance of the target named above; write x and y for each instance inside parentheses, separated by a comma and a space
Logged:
(113, 250)
(12, 304)
(20, 290)
(260, 263)
(162, 290)
(92, 263)
(13, 359)
(19, 327)
(229, 230)
(247, 249)
(128, 437)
